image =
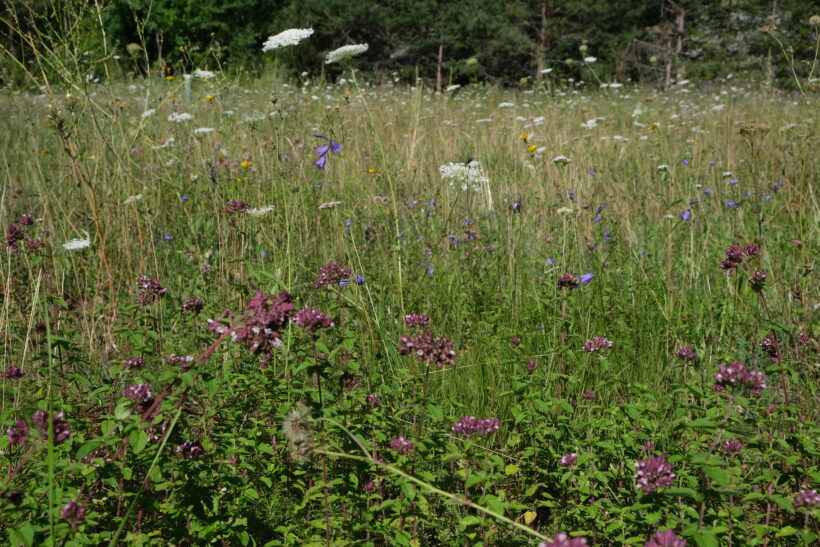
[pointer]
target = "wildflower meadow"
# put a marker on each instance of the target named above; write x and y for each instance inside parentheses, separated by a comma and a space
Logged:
(350, 311)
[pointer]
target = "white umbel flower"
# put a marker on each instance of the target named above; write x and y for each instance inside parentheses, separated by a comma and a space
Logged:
(590, 60)
(289, 37)
(201, 130)
(203, 74)
(467, 176)
(78, 243)
(561, 160)
(179, 117)
(132, 199)
(259, 211)
(345, 52)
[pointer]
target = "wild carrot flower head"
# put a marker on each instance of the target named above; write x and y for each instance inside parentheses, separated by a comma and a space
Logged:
(653, 473)
(665, 538)
(345, 52)
(289, 37)
(563, 540)
(332, 274)
(312, 319)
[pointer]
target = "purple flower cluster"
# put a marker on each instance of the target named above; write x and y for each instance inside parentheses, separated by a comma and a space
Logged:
(332, 274)
(135, 363)
(470, 425)
(189, 450)
(312, 319)
(267, 317)
(758, 280)
(415, 320)
(771, 347)
(735, 256)
(428, 348)
(665, 538)
(62, 431)
(185, 362)
(807, 498)
(568, 460)
(567, 281)
(653, 473)
(686, 354)
(596, 344)
(401, 445)
(732, 447)
(139, 394)
(237, 206)
(563, 540)
(13, 373)
(736, 374)
(15, 232)
(149, 290)
(73, 513)
(193, 305)
(18, 433)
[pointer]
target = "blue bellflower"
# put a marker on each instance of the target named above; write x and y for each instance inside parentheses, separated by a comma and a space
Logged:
(334, 147)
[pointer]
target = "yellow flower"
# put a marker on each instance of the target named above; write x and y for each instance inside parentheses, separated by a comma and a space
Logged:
(372, 171)
(209, 97)
(246, 164)
(170, 78)
(523, 136)
(532, 148)
(122, 105)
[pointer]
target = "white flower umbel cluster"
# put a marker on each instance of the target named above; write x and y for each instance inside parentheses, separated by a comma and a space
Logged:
(75, 244)
(260, 211)
(203, 74)
(468, 176)
(344, 52)
(289, 37)
(179, 117)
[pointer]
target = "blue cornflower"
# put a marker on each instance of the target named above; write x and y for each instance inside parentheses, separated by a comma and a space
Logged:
(359, 280)
(585, 278)
(708, 191)
(687, 214)
(334, 147)
(731, 204)
(167, 237)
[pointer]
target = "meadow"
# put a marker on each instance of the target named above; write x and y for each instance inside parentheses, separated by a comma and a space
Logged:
(311, 313)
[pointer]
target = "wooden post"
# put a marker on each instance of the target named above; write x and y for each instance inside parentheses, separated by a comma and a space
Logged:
(438, 67)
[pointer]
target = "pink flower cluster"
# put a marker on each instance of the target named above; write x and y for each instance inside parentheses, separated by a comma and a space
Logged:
(736, 374)
(428, 348)
(470, 425)
(653, 473)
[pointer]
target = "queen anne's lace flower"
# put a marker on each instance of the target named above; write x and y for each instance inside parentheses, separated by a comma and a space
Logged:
(289, 37)
(345, 52)
(469, 176)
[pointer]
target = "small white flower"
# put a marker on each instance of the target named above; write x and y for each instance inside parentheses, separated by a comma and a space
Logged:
(168, 142)
(132, 199)
(590, 60)
(546, 70)
(259, 211)
(468, 177)
(564, 210)
(663, 167)
(329, 204)
(615, 85)
(203, 74)
(201, 130)
(179, 117)
(148, 113)
(451, 88)
(345, 52)
(561, 160)
(289, 37)
(727, 174)
(77, 243)
(506, 105)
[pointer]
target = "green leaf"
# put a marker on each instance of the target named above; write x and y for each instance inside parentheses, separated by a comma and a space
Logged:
(718, 475)
(511, 469)
(123, 410)
(684, 493)
(701, 423)
(787, 531)
(435, 412)
(87, 449)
